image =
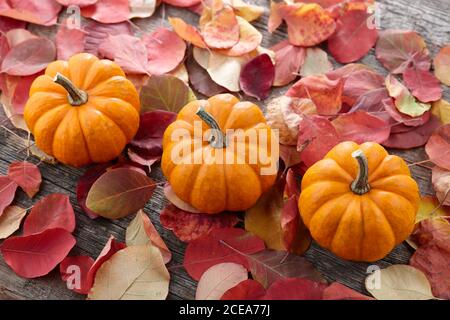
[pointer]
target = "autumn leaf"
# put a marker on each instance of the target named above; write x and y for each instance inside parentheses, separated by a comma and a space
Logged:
(69, 40)
(295, 289)
(214, 248)
(261, 68)
(80, 3)
(441, 183)
(37, 254)
(221, 31)
(53, 211)
(423, 84)
(182, 3)
(97, 32)
(316, 62)
(441, 109)
(249, 39)
(74, 271)
(399, 282)
(289, 155)
(108, 11)
(177, 202)
(442, 65)
(288, 60)
(147, 277)
(438, 147)
(245, 290)
(189, 226)
(119, 192)
(359, 83)
(353, 38)
(187, 32)
(337, 291)
(429, 208)
(26, 175)
(218, 279)
(10, 220)
(141, 231)
(201, 80)
(7, 24)
(43, 12)
(7, 191)
(398, 49)
(402, 118)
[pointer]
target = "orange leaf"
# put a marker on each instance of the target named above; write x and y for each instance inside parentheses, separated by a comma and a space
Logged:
(187, 32)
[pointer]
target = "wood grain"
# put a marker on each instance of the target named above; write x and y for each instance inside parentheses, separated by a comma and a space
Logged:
(428, 17)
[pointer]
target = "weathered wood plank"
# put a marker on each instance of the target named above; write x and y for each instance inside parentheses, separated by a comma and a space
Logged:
(428, 17)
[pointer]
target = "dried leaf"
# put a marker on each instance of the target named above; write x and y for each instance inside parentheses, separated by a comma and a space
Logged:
(36, 255)
(438, 147)
(337, 291)
(245, 290)
(69, 41)
(26, 175)
(392, 110)
(295, 289)
(74, 271)
(316, 62)
(43, 12)
(399, 282)
(108, 11)
(141, 231)
(441, 184)
(53, 211)
(429, 208)
(189, 226)
(7, 24)
(442, 65)
(218, 279)
(79, 3)
(97, 32)
(201, 80)
(7, 191)
(187, 32)
(119, 192)
(288, 60)
(257, 77)
(249, 39)
(441, 109)
(10, 220)
(177, 202)
(182, 3)
(147, 277)
(423, 84)
(222, 30)
(142, 9)
(353, 38)
(361, 82)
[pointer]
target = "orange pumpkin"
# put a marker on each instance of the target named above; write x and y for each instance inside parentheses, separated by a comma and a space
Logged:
(216, 171)
(359, 202)
(83, 110)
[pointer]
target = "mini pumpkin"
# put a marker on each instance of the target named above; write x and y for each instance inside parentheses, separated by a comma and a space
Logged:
(359, 202)
(82, 110)
(218, 170)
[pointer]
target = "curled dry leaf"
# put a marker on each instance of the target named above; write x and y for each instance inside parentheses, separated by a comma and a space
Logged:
(442, 65)
(189, 226)
(147, 277)
(10, 220)
(141, 231)
(295, 289)
(108, 11)
(53, 211)
(187, 32)
(438, 147)
(353, 37)
(43, 12)
(423, 84)
(398, 49)
(74, 271)
(218, 279)
(249, 39)
(288, 60)
(441, 184)
(26, 175)
(441, 109)
(36, 255)
(316, 62)
(177, 202)
(399, 282)
(7, 24)
(222, 245)
(201, 80)
(359, 83)
(222, 30)
(119, 192)
(245, 290)
(324, 92)
(69, 41)
(393, 112)
(7, 191)
(257, 76)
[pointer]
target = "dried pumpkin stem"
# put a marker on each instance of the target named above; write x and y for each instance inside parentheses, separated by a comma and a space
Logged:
(76, 96)
(217, 139)
(361, 184)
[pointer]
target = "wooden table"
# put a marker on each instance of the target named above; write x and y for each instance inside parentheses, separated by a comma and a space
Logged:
(428, 17)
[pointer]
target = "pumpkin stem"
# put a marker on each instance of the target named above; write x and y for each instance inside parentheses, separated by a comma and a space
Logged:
(217, 139)
(76, 96)
(361, 184)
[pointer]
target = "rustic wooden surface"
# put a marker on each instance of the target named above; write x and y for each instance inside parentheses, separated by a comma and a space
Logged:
(428, 17)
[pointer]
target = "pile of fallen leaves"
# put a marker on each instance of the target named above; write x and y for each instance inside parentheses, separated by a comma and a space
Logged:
(224, 53)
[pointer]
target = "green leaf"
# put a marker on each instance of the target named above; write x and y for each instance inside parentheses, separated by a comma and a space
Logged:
(165, 92)
(119, 192)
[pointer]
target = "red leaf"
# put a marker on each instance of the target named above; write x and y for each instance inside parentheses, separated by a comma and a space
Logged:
(361, 126)
(316, 136)
(96, 33)
(69, 41)
(412, 137)
(19, 91)
(29, 57)
(245, 290)
(79, 3)
(442, 65)
(289, 155)
(53, 211)
(423, 84)
(182, 3)
(371, 101)
(140, 157)
(187, 32)
(26, 175)
(337, 291)
(108, 11)
(127, 51)
(353, 39)
(288, 60)
(110, 248)
(222, 31)
(407, 120)
(359, 83)
(295, 289)
(151, 130)
(43, 12)
(36, 255)
(438, 147)
(85, 183)
(74, 271)
(7, 191)
(290, 224)
(257, 77)
(201, 80)
(165, 50)
(212, 249)
(189, 226)
(325, 93)
(441, 184)
(7, 24)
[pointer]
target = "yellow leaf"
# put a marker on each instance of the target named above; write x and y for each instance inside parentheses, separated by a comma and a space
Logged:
(429, 208)
(441, 109)
(10, 220)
